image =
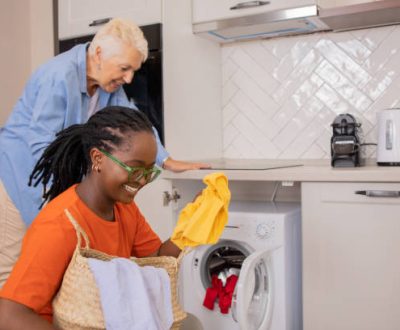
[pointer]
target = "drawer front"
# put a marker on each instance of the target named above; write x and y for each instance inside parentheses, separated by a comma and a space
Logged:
(78, 18)
(360, 193)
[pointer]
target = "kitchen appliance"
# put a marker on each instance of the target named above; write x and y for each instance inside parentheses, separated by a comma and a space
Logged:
(236, 20)
(388, 150)
(345, 141)
(262, 242)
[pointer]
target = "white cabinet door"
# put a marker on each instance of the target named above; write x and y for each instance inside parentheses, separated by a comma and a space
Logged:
(83, 17)
(351, 268)
(210, 10)
(150, 202)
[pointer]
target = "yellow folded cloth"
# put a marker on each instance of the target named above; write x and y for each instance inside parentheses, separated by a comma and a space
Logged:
(203, 221)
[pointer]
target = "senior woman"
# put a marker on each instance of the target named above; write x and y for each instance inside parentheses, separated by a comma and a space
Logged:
(66, 90)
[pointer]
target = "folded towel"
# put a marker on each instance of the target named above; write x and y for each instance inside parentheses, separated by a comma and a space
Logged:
(203, 221)
(133, 297)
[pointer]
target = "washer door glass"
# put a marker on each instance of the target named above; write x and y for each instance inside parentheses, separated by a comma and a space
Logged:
(252, 299)
(222, 260)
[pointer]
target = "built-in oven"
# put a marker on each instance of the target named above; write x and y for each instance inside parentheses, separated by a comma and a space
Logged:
(146, 88)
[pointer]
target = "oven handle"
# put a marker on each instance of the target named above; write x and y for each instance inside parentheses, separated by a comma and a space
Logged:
(379, 193)
(100, 21)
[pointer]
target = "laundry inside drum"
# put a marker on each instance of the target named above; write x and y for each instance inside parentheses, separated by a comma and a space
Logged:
(223, 261)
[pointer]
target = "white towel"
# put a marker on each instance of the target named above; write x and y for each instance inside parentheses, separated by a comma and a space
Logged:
(133, 297)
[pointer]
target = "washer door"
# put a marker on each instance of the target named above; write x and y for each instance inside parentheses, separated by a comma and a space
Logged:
(220, 258)
(252, 300)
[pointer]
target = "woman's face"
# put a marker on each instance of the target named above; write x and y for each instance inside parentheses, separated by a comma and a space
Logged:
(139, 151)
(118, 69)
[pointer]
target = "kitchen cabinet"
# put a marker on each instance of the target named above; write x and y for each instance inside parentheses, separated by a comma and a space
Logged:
(351, 269)
(209, 10)
(78, 18)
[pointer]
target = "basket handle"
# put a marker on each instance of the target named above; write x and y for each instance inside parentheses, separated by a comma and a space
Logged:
(79, 231)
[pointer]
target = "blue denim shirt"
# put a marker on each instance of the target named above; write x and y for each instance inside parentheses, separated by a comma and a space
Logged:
(54, 98)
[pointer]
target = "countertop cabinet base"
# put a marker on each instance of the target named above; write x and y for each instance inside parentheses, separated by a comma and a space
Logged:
(351, 267)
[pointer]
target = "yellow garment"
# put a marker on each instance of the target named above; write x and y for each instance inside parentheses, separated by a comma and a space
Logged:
(203, 221)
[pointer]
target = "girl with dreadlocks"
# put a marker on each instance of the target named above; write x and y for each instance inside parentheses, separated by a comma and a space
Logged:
(94, 170)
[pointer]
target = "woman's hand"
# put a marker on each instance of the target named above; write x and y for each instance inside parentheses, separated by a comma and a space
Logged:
(181, 166)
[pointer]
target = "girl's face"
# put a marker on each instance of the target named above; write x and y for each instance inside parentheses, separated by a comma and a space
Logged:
(116, 183)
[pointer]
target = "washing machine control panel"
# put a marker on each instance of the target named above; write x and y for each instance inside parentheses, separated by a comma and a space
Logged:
(256, 228)
(265, 230)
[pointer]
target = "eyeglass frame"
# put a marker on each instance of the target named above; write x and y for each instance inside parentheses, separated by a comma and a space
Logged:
(131, 169)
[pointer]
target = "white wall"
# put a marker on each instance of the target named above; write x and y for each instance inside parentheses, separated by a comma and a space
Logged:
(41, 32)
(281, 95)
(26, 40)
(15, 52)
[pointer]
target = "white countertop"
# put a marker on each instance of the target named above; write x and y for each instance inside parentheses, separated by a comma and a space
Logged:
(301, 170)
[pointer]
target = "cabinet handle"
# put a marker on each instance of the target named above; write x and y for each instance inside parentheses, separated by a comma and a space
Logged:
(100, 21)
(249, 4)
(379, 193)
(167, 197)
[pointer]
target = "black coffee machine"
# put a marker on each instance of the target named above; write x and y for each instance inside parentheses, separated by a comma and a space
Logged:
(345, 142)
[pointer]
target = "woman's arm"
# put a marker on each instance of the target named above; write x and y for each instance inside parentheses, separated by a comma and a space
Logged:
(15, 316)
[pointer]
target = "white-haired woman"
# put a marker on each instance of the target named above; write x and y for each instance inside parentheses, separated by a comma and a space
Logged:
(65, 91)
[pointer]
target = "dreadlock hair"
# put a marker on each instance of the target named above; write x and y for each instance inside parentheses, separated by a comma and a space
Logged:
(67, 159)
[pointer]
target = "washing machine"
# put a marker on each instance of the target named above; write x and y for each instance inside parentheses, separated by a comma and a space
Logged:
(262, 244)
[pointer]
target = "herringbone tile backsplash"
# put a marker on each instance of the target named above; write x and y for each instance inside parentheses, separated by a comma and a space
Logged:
(280, 96)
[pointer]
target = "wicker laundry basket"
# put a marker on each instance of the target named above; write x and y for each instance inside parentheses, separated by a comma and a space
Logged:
(77, 304)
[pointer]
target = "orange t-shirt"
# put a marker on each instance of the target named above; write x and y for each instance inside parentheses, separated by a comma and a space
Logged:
(51, 240)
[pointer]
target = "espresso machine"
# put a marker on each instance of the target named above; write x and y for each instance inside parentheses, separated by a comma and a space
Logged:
(345, 142)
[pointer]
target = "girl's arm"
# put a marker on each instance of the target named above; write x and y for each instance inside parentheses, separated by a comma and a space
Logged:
(166, 249)
(15, 316)
(169, 249)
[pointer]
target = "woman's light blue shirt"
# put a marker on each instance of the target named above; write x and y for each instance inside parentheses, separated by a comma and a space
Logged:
(54, 98)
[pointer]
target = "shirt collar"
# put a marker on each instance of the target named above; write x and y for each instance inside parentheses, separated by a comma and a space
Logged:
(82, 68)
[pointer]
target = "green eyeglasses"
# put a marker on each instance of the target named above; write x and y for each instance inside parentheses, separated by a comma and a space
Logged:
(135, 173)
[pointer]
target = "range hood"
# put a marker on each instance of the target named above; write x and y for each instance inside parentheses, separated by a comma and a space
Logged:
(301, 20)
(288, 21)
(363, 15)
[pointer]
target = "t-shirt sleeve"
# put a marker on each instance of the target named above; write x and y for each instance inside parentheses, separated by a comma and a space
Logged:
(146, 241)
(46, 252)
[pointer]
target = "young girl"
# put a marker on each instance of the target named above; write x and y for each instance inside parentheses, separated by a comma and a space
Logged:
(95, 170)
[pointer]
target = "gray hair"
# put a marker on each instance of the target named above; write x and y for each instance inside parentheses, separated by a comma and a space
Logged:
(116, 32)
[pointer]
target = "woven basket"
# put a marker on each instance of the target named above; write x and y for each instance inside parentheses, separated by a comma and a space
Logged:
(77, 304)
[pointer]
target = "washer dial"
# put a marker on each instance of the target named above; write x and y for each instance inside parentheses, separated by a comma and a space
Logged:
(264, 230)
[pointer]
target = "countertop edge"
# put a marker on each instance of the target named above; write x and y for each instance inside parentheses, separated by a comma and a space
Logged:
(305, 173)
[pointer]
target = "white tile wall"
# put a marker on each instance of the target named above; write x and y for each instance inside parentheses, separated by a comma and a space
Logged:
(281, 95)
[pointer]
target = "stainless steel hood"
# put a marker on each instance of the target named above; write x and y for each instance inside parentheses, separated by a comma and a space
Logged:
(301, 20)
(265, 25)
(363, 15)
